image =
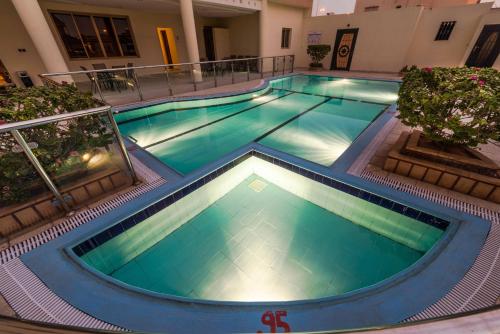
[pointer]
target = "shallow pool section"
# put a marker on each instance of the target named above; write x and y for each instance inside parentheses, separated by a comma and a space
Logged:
(315, 118)
(261, 232)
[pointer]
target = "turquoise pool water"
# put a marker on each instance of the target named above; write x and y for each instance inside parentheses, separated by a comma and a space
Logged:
(312, 117)
(259, 242)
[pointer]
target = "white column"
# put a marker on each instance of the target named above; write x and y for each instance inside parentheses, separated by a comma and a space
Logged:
(37, 27)
(263, 30)
(190, 35)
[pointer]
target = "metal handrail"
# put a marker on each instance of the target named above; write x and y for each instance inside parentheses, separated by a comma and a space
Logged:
(195, 68)
(51, 119)
(158, 66)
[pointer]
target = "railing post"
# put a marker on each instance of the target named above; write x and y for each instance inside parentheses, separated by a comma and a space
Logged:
(284, 64)
(261, 68)
(39, 168)
(139, 90)
(215, 74)
(168, 82)
(98, 87)
(292, 64)
(191, 66)
(232, 72)
(121, 144)
(274, 64)
(248, 70)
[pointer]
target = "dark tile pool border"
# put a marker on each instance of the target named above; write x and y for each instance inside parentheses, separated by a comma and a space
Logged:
(102, 237)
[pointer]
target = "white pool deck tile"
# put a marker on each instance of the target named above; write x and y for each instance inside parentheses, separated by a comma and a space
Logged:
(481, 285)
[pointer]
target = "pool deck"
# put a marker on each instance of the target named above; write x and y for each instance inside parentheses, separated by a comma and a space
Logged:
(391, 301)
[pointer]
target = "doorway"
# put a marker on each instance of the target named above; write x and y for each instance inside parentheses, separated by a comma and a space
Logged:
(345, 42)
(167, 44)
(485, 51)
(208, 36)
(5, 79)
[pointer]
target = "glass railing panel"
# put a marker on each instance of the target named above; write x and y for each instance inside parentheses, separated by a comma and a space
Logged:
(25, 200)
(181, 78)
(81, 156)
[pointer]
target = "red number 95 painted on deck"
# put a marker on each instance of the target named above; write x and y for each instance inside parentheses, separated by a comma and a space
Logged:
(275, 321)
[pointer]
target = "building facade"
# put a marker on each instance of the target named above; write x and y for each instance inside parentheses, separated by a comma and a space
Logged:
(374, 5)
(41, 36)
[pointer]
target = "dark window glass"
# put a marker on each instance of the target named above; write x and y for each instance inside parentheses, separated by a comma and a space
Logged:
(89, 36)
(69, 35)
(445, 30)
(124, 34)
(107, 35)
(285, 38)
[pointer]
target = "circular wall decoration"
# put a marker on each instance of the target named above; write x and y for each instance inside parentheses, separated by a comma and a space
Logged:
(344, 51)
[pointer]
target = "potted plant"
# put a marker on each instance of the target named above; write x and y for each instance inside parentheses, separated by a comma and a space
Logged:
(454, 110)
(317, 52)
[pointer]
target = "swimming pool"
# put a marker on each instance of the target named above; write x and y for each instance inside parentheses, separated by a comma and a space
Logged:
(258, 231)
(312, 117)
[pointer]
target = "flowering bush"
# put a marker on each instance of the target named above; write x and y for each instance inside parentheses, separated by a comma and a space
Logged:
(452, 105)
(58, 146)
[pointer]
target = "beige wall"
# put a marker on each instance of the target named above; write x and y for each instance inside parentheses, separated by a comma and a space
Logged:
(281, 16)
(392, 4)
(222, 46)
(144, 26)
(383, 38)
(244, 34)
(14, 36)
(388, 40)
(425, 51)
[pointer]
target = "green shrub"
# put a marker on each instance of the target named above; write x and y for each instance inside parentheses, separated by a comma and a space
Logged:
(452, 105)
(59, 146)
(317, 52)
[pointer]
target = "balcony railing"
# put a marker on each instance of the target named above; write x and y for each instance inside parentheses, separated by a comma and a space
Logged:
(128, 84)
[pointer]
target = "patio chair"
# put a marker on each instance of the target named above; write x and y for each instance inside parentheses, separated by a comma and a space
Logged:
(131, 75)
(93, 83)
(120, 77)
(106, 79)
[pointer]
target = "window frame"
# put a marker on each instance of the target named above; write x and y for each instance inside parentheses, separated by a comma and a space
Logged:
(445, 30)
(94, 26)
(288, 43)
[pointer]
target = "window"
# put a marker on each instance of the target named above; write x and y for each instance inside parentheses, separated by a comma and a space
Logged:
(445, 30)
(107, 34)
(122, 30)
(89, 36)
(371, 8)
(285, 38)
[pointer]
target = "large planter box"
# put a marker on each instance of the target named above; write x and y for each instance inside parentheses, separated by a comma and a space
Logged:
(467, 172)
(40, 209)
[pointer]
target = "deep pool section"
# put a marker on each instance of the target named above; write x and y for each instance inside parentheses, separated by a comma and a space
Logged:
(197, 148)
(312, 117)
(259, 232)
